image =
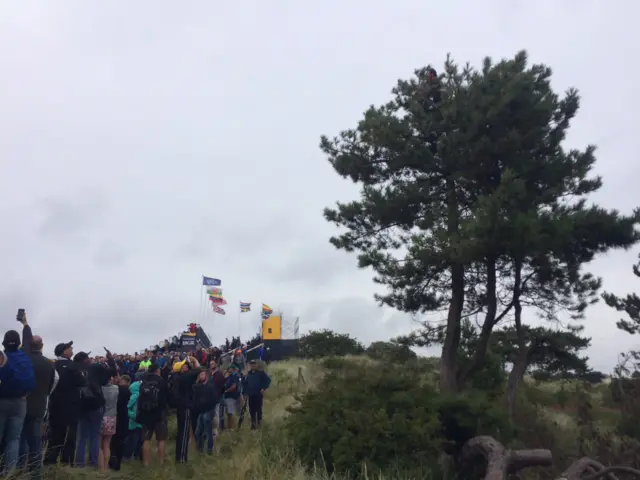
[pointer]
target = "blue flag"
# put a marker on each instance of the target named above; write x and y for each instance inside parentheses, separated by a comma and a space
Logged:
(211, 282)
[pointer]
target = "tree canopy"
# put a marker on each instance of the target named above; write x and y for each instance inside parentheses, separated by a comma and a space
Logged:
(470, 204)
(324, 343)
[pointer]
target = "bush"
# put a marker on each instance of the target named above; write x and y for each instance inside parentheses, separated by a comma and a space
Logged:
(325, 343)
(390, 352)
(384, 419)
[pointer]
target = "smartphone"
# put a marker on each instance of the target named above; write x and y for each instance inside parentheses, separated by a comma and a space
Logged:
(20, 315)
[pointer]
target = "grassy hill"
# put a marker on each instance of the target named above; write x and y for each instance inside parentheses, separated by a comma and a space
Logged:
(551, 421)
(239, 455)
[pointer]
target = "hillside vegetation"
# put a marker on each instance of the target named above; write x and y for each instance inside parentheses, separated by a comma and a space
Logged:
(357, 417)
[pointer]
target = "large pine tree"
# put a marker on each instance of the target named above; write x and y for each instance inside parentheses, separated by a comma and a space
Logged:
(471, 205)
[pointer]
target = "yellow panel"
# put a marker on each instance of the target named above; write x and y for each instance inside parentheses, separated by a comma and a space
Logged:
(272, 328)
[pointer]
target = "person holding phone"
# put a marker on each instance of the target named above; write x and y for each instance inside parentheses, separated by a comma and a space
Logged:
(46, 381)
(17, 380)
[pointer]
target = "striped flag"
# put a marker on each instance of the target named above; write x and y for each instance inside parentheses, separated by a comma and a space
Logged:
(217, 300)
(217, 309)
(266, 311)
(245, 307)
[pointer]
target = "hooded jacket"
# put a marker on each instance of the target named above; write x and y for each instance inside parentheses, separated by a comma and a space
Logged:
(132, 406)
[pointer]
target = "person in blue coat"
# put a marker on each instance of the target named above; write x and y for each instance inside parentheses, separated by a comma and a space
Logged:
(255, 384)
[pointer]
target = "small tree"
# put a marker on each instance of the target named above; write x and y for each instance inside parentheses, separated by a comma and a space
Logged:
(391, 352)
(326, 343)
(471, 205)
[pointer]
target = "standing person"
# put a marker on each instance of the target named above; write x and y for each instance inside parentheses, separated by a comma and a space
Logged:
(92, 403)
(152, 413)
(46, 380)
(122, 423)
(201, 355)
(17, 380)
(133, 446)
(232, 397)
(108, 425)
(182, 394)
(205, 399)
(239, 359)
(217, 377)
(64, 406)
(256, 382)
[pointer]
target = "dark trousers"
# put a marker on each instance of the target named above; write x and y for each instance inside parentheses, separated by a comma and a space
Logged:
(255, 410)
(31, 445)
(62, 439)
(117, 450)
(182, 437)
(133, 444)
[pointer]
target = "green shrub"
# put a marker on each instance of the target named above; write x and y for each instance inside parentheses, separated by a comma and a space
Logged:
(325, 343)
(390, 352)
(384, 419)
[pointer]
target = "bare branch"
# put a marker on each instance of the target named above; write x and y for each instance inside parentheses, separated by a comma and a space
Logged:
(501, 461)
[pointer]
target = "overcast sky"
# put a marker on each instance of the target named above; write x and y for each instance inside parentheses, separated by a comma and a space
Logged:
(144, 144)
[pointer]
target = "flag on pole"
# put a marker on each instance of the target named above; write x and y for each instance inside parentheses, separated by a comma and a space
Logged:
(266, 311)
(217, 300)
(217, 309)
(214, 292)
(211, 282)
(245, 307)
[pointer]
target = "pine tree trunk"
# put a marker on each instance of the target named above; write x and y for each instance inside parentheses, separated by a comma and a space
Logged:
(521, 362)
(449, 357)
(513, 382)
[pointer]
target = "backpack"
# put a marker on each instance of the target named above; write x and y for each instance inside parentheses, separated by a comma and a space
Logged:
(17, 378)
(91, 397)
(149, 396)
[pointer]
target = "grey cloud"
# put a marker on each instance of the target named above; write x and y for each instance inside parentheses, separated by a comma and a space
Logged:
(64, 217)
(110, 254)
(138, 153)
(311, 263)
(360, 317)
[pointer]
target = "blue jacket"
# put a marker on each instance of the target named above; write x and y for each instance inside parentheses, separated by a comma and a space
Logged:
(132, 406)
(255, 381)
(233, 379)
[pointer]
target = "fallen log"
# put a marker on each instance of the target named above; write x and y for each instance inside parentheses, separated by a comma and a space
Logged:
(502, 462)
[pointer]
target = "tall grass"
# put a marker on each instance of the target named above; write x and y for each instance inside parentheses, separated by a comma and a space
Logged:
(265, 454)
(268, 454)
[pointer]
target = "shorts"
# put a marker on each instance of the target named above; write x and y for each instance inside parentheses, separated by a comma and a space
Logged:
(108, 426)
(159, 429)
(233, 405)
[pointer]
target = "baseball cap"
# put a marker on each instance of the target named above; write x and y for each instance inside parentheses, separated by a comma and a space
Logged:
(61, 347)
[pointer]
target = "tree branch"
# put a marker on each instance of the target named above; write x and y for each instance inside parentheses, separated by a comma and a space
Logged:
(501, 461)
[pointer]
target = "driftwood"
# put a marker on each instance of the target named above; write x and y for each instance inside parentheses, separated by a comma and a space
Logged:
(502, 462)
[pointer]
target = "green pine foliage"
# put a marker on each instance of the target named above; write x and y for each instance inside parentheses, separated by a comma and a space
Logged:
(470, 204)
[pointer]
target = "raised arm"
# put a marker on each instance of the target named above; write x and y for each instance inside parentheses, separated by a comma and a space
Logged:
(27, 335)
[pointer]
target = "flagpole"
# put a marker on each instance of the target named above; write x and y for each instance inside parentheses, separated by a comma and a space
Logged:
(199, 317)
(239, 311)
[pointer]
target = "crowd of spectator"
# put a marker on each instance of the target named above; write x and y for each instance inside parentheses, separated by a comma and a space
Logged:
(98, 411)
